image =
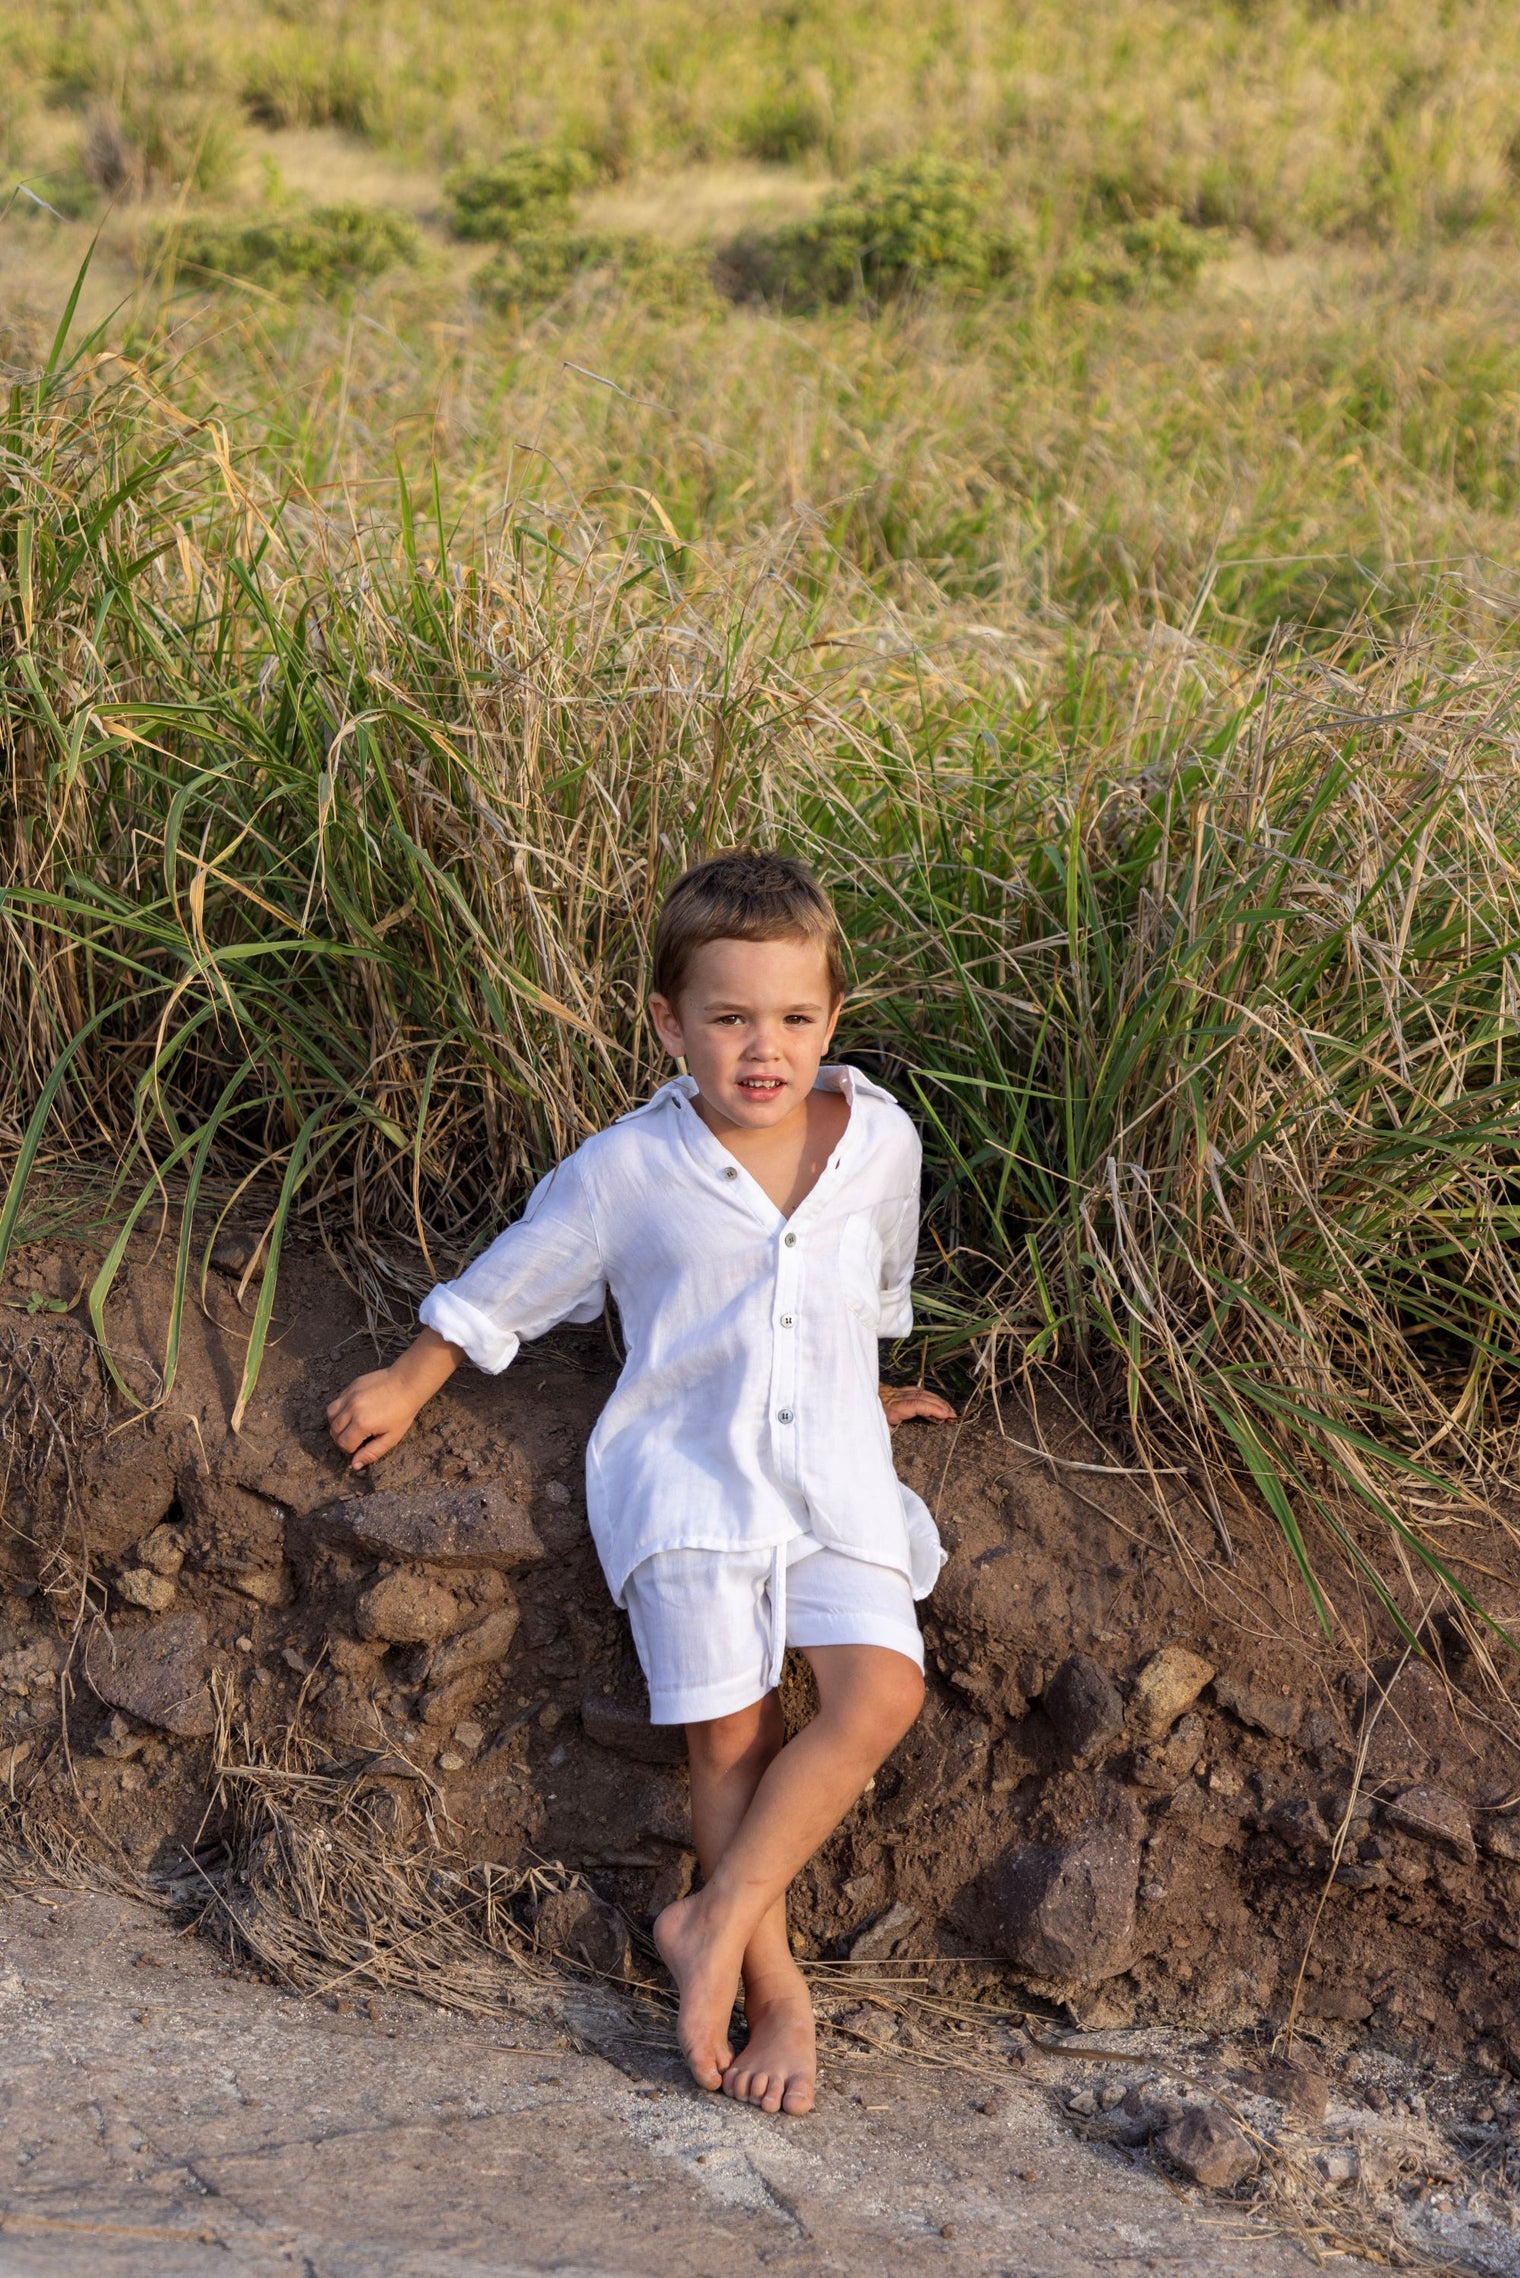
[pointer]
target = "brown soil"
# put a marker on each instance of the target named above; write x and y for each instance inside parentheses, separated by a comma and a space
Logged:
(1132, 1875)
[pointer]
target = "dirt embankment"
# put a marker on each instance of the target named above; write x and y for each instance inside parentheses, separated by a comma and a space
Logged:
(1127, 1778)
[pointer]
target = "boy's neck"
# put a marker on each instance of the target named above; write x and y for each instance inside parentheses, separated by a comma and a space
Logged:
(785, 1159)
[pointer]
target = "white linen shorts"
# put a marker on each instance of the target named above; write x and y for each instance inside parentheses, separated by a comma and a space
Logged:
(712, 1626)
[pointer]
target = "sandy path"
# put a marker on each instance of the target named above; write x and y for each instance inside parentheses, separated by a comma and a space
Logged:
(162, 2118)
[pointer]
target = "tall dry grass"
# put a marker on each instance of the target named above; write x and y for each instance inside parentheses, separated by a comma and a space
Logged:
(332, 850)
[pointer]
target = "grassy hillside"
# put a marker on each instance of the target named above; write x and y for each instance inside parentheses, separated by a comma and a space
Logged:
(1060, 470)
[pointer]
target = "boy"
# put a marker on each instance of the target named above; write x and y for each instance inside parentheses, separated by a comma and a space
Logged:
(756, 1221)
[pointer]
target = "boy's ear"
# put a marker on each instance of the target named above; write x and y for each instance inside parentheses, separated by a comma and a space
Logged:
(667, 1026)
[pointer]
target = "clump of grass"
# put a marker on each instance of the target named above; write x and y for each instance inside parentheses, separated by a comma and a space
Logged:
(787, 123)
(323, 250)
(897, 228)
(540, 265)
(527, 189)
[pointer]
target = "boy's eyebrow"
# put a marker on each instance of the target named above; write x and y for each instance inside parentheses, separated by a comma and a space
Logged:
(727, 1004)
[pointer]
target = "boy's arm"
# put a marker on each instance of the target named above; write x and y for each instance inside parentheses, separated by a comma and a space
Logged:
(545, 1269)
(375, 1411)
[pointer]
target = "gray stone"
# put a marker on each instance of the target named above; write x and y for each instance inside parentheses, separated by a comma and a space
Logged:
(1169, 1683)
(1208, 2148)
(1066, 1910)
(1432, 1816)
(882, 1937)
(1084, 1706)
(439, 1526)
(617, 1725)
(1268, 1710)
(157, 1673)
(1501, 1838)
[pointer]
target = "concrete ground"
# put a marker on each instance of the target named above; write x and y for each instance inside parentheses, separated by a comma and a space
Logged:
(162, 2118)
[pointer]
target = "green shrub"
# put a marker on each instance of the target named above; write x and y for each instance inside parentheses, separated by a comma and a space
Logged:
(1142, 261)
(540, 264)
(324, 249)
(894, 229)
(529, 186)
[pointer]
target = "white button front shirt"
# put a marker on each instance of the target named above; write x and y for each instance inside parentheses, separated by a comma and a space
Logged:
(747, 1413)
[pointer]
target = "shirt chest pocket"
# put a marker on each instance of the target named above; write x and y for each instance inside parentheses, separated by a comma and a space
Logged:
(860, 1262)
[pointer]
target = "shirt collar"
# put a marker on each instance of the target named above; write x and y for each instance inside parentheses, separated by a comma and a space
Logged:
(833, 1077)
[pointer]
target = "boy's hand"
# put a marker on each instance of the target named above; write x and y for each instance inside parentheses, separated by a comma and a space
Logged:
(377, 1410)
(904, 1400)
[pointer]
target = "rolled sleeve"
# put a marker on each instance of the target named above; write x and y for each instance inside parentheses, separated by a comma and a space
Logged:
(899, 1255)
(544, 1270)
(478, 1337)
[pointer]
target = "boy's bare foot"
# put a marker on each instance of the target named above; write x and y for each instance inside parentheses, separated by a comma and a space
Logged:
(777, 2068)
(706, 1972)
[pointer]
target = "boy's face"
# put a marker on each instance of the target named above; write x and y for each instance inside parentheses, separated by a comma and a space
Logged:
(753, 1021)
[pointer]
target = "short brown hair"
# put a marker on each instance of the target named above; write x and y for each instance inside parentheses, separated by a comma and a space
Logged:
(744, 896)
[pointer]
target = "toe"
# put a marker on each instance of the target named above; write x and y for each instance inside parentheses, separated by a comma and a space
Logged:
(799, 2096)
(770, 2100)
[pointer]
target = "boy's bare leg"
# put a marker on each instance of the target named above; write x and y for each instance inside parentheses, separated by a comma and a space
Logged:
(778, 2065)
(868, 1698)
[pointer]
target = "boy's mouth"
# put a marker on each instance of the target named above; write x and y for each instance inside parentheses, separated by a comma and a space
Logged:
(762, 1087)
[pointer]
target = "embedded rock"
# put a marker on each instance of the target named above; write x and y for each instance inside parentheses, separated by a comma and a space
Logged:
(475, 1648)
(157, 1673)
(1066, 1910)
(123, 1492)
(881, 1938)
(579, 1927)
(1083, 1705)
(407, 1609)
(439, 1526)
(1501, 1839)
(1275, 1713)
(1432, 1816)
(614, 1724)
(443, 1705)
(1299, 1822)
(1298, 2088)
(1169, 1683)
(1208, 2148)
(1167, 1763)
(266, 1585)
(140, 1586)
(163, 1550)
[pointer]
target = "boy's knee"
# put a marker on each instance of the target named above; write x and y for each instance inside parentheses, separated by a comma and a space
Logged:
(889, 1706)
(907, 1694)
(719, 1742)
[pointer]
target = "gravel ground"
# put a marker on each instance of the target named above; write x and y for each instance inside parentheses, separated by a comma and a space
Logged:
(162, 2117)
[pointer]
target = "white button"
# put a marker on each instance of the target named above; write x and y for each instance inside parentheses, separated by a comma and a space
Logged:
(790, 1240)
(786, 1320)
(783, 1415)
